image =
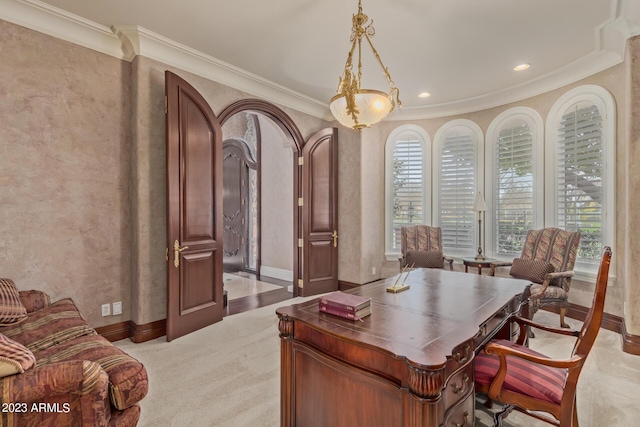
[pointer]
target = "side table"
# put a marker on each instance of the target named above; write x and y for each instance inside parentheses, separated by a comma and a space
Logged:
(478, 263)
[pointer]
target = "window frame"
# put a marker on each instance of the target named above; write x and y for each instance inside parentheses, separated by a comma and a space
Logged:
(422, 136)
(536, 126)
(607, 107)
(479, 147)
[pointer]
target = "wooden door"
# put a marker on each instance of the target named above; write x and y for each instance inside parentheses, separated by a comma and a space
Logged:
(194, 210)
(237, 161)
(320, 213)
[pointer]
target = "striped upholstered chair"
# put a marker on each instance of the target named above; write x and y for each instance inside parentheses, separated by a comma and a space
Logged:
(547, 260)
(421, 246)
(530, 382)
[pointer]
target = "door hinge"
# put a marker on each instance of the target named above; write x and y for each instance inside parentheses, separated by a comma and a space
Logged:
(300, 243)
(166, 254)
(242, 221)
(300, 161)
(300, 201)
(166, 105)
(300, 283)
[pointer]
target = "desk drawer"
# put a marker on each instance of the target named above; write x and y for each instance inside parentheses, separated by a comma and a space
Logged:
(462, 414)
(489, 328)
(458, 386)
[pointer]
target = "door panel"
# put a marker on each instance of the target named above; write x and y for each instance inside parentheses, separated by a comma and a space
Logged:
(194, 210)
(236, 181)
(320, 213)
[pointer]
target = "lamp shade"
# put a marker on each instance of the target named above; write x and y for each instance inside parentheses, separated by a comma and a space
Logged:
(372, 106)
(479, 205)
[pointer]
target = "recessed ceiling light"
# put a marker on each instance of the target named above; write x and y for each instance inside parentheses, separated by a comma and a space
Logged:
(521, 67)
(424, 95)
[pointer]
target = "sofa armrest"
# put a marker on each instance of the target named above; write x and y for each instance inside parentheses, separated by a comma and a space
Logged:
(64, 393)
(34, 300)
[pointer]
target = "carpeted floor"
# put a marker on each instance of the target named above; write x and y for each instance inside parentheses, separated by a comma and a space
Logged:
(228, 374)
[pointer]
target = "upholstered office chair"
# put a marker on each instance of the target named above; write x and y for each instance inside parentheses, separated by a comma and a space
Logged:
(529, 381)
(421, 246)
(547, 260)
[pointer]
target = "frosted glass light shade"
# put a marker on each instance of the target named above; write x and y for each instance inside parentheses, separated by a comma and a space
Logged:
(373, 106)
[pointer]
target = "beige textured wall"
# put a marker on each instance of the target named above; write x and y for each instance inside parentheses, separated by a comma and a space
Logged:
(349, 206)
(630, 203)
(64, 171)
(276, 162)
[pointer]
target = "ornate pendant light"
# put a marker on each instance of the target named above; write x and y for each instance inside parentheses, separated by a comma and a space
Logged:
(353, 106)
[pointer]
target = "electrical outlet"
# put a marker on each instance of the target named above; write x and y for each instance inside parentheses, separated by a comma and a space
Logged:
(373, 271)
(117, 308)
(106, 309)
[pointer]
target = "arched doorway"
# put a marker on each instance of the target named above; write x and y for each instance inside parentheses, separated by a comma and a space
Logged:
(265, 134)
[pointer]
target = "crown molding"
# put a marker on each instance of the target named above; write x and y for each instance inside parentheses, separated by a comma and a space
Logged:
(611, 41)
(50, 20)
(140, 41)
(125, 42)
(584, 67)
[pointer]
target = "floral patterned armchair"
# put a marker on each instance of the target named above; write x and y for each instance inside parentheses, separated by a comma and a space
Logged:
(547, 260)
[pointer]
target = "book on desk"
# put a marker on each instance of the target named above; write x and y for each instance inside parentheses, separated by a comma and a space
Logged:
(348, 306)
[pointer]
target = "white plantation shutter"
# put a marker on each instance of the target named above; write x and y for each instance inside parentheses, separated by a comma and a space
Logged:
(457, 194)
(579, 166)
(407, 188)
(513, 192)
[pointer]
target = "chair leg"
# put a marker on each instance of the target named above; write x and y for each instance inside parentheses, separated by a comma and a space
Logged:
(563, 311)
(575, 413)
(498, 416)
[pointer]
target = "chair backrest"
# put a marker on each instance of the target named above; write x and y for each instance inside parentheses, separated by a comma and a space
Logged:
(420, 238)
(555, 246)
(593, 320)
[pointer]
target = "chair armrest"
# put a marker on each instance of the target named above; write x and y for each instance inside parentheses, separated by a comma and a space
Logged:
(34, 300)
(79, 387)
(522, 322)
(494, 265)
(502, 352)
(449, 260)
(548, 278)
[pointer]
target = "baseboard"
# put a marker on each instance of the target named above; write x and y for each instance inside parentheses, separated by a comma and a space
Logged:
(630, 343)
(345, 286)
(276, 273)
(610, 322)
(148, 331)
(115, 332)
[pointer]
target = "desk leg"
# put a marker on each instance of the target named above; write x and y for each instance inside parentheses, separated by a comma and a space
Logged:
(466, 268)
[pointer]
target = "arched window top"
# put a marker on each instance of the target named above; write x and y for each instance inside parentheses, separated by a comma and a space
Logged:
(514, 117)
(407, 132)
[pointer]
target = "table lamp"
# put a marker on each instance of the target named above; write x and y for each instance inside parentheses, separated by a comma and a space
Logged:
(479, 206)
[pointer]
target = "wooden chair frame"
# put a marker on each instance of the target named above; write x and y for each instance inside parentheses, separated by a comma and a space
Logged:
(564, 414)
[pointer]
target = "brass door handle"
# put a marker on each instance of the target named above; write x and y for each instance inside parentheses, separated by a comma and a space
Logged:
(176, 252)
(335, 238)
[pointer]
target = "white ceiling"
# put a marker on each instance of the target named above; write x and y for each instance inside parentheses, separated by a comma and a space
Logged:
(461, 51)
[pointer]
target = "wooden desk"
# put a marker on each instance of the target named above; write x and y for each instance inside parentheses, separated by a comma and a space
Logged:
(410, 363)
